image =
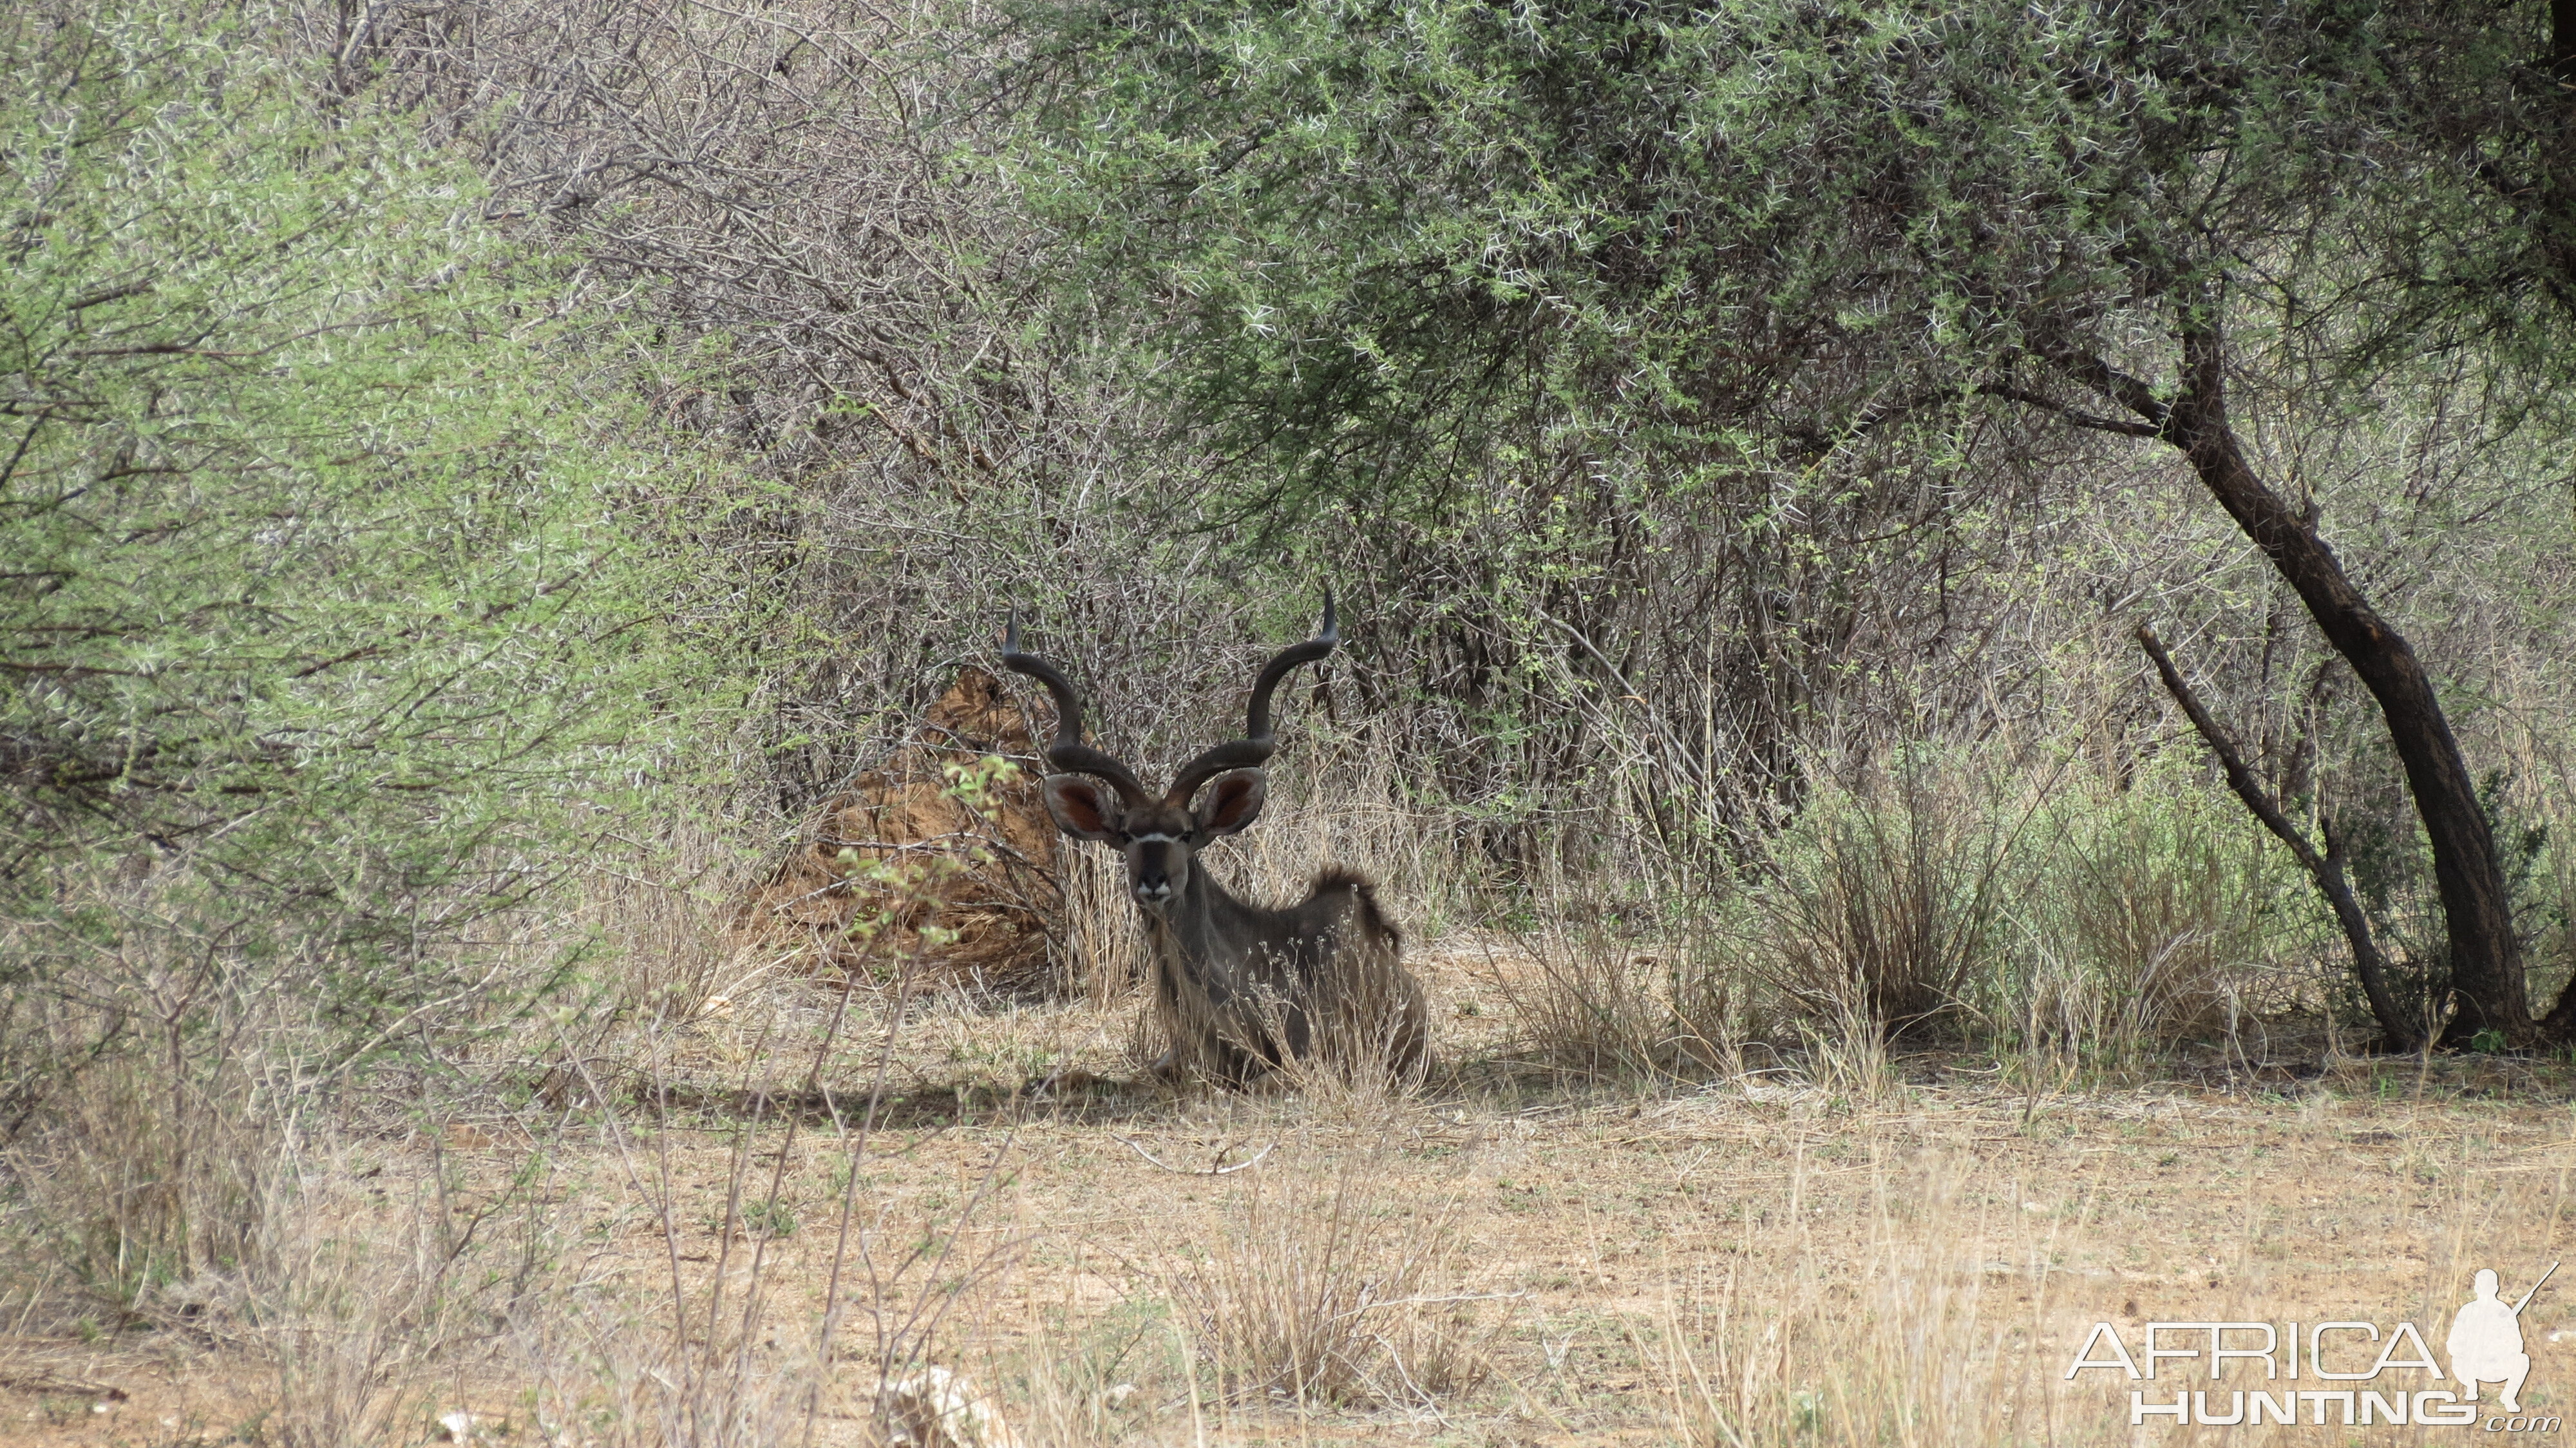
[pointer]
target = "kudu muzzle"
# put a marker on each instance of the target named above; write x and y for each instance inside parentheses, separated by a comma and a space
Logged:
(1158, 870)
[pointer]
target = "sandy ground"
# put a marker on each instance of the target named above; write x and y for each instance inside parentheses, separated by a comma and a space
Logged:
(1755, 1259)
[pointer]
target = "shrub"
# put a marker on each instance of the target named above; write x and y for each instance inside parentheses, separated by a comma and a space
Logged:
(340, 604)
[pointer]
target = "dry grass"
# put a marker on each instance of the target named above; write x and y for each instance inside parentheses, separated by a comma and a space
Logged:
(1331, 1288)
(1884, 903)
(1585, 1004)
(751, 1207)
(1502, 1259)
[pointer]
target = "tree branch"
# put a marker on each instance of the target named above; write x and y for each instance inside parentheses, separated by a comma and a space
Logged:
(2073, 415)
(2325, 869)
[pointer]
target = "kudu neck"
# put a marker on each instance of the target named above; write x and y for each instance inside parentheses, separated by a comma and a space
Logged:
(1200, 917)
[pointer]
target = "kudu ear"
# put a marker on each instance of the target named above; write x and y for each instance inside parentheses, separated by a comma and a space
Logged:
(1083, 809)
(1233, 801)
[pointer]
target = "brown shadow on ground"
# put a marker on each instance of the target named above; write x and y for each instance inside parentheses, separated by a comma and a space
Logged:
(1097, 1100)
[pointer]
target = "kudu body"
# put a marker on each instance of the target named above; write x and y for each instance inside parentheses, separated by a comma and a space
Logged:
(1241, 988)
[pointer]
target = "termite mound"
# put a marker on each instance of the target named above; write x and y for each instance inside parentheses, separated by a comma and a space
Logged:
(940, 860)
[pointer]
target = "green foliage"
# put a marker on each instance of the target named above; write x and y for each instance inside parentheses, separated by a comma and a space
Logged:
(1766, 276)
(1401, 254)
(319, 576)
(1405, 244)
(345, 600)
(2066, 915)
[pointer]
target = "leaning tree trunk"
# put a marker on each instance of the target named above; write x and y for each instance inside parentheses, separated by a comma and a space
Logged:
(2486, 958)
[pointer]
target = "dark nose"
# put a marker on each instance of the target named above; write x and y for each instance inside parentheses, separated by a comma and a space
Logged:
(1149, 871)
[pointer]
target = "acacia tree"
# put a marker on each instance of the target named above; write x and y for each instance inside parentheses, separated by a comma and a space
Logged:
(1383, 242)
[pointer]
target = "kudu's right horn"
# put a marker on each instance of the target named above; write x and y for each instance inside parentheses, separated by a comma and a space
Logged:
(1258, 743)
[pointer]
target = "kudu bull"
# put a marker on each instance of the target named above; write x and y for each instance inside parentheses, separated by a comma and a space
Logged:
(1240, 988)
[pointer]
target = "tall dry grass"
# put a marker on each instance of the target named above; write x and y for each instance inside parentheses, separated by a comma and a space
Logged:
(1881, 903)
(214, 1160)
(152, 1072)
(1912, 1342)
(1946, 901)
(1955, 1318)
(1590, 1001)
(1331, 1283)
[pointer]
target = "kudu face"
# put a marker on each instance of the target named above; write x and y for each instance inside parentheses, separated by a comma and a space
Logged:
(1159, 841)
(1161, 836)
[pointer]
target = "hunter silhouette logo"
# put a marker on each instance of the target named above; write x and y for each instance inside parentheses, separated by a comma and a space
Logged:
(2484, 1346)
(2486, 1341)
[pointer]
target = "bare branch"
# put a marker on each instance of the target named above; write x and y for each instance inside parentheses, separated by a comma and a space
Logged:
(2073, 415)
(2325, 869)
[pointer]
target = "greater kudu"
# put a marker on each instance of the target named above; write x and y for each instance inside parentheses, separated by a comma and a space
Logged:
(1240, 988)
